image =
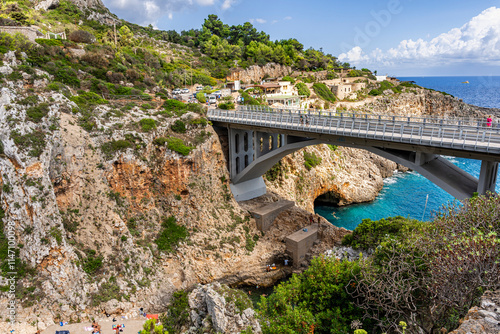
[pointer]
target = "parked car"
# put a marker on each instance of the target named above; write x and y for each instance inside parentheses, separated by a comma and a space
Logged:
(185, 91)
(198, 88)
(217, 92)
(212, 99)
(176, 91)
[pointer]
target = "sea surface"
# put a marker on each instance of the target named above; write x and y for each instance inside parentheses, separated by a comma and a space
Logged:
(410, 194)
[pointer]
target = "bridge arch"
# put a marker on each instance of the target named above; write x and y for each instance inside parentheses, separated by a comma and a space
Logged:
(273, 142)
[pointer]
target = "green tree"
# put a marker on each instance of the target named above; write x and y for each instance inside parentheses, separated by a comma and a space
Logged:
(317, 300)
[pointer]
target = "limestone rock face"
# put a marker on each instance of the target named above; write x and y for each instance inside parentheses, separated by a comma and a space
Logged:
(482, 319)
(214, 305)
(423, 102)
(45, 5)
(344, 176)
(257, 73)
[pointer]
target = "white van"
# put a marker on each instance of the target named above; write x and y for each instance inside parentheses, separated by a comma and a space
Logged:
(212, 99)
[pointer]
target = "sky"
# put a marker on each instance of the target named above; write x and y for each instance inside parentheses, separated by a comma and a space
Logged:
(393, 37)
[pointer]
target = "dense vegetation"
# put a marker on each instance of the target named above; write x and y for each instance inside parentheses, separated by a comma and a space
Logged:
(427, 275)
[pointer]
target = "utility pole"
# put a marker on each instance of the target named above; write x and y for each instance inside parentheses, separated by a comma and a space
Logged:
(114, 30)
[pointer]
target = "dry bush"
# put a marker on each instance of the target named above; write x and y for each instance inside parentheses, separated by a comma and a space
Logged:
(81, 36)
(115, 77)
(95, 59)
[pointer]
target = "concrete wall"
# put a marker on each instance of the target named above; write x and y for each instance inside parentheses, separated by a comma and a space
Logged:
(299, 243)
(29, 32)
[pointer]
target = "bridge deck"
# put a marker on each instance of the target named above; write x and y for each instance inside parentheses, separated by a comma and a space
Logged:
(456, 133)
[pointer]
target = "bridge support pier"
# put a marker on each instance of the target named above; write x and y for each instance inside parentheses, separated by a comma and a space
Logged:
(487, 177)
(248, 189)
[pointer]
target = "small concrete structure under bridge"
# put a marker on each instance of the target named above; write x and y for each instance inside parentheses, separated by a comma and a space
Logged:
(259, 137)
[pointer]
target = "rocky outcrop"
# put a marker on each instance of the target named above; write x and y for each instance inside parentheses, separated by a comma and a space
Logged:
(420, 102)
(84, 4)
(223, 309)
(344, 176)
(482, 319)
(257, 73)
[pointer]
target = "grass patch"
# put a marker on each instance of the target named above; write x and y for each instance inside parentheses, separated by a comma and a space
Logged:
(34, 140)
(170, 235)
(147, 124)
(111, 147)
(36, 113)
(311, 160)
(324, 92)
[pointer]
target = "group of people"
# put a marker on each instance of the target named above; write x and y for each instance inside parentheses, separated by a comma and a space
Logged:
(306, 118)
(96, 328)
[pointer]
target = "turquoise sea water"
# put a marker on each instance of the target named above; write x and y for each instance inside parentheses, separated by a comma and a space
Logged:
(405, 194)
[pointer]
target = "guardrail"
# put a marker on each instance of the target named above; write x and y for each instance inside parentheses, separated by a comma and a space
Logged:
(456, 133)
(472, 121)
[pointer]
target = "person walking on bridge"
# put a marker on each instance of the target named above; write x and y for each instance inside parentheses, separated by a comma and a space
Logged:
(488, 121)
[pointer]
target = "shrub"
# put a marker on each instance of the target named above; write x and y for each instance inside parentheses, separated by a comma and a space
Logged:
(177, 145)
(311, 160)
(178, 126)
(226, 106)
(87, 99)
(34, 140)
(147, 124)
(288, 78)
(316, 300)
(324, 92)
(29, 100)
(201, 97)
(36, 114)
(107, 291)
(92, 263)
(302, 89)
(67, 76)
(174, 105)
(53, 86)
(199, 121)
(170, 235)
(109, 148)
(177, 314)
(81, 36)
(248, 100)
(49, 42)
(278, 171)
(369, 234)
(95, 59)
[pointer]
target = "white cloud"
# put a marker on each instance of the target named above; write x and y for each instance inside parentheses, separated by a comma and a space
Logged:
(286, 18)
(476, 41)
(227, 4)
(149, 11)
(260, 21)
(205, 2)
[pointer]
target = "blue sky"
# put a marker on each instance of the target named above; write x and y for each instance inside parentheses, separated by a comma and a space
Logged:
(394, 37)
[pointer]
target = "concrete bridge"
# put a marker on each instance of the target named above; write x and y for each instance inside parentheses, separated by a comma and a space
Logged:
(259, 137)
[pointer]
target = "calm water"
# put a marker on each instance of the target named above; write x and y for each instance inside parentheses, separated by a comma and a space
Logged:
(405, 194)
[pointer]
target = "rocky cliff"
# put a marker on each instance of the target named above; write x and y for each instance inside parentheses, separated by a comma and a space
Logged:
(257, 73)
(87, 196)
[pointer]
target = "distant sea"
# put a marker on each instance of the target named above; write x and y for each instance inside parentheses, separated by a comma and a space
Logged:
(405, 194)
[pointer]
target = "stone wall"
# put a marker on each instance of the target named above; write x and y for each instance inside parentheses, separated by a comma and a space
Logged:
(29, 32)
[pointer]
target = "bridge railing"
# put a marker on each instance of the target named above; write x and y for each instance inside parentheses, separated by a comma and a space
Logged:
(450, 120)
(412, 130)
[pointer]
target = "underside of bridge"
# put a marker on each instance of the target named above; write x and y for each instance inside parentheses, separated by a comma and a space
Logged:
(253, 152)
